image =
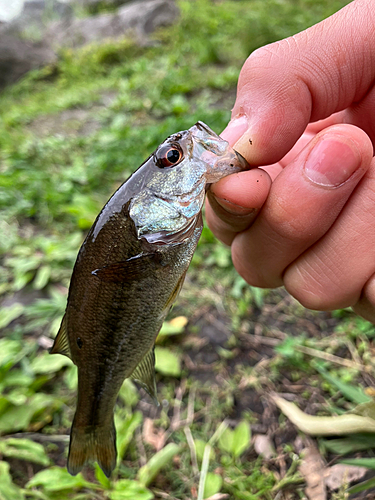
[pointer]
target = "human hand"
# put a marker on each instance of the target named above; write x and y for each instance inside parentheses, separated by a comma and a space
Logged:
(316, 231)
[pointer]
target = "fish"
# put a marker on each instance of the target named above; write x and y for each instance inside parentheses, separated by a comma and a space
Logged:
(128, 273)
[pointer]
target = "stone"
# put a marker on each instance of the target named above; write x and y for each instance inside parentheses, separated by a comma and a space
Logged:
(28, 40)
(136, 20)
(17, 57)
(93, 6)
(34, 18)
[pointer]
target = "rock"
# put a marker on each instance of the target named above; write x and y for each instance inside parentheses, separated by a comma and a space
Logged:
(10, 9)
(17, 57)
(137, 20)
(34, 18)
(93, 6)
(25, 41)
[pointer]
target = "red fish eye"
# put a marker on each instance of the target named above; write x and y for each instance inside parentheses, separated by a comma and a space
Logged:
(169, 156)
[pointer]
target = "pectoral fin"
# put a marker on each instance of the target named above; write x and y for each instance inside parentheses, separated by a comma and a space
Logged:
(144, 374)
(135, 268)
(175, 293)
(61, 344)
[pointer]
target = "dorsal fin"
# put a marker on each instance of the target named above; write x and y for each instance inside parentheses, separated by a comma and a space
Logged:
(144, 374)
(61, 344)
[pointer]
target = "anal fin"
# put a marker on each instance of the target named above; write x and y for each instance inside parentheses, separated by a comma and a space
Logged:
(144, 374)
(61, 344)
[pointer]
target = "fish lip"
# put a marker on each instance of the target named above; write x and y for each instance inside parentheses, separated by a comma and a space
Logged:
(242, 161)
(202, 126)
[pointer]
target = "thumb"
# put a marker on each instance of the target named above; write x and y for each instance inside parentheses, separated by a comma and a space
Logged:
(285, 85)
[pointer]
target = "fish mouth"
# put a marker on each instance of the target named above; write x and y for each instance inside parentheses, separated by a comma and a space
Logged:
(220, 158)
(205, 128)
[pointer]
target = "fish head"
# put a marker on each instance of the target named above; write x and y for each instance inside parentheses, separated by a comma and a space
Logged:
(172, 183)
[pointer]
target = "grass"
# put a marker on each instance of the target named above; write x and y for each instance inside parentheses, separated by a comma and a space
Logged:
(69, 135)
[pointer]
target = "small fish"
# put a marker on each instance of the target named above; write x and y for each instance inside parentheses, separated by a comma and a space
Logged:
(128, 273)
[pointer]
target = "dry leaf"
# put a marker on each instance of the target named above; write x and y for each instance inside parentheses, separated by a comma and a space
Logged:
(155, 438)
(179, 322)
(219, 496)
(263, 446)
(324, 426)
(312, 469)
(340, 474)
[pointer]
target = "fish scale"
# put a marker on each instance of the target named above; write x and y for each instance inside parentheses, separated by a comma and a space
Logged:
(127, 275)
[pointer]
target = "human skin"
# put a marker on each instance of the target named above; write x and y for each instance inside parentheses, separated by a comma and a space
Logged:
(305, 112)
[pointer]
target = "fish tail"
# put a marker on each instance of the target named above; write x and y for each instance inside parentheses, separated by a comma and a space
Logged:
(92, 443)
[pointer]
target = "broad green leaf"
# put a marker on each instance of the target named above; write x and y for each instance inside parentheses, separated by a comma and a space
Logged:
(24, 449)
(258, 295)
(18, 378)
(49, 363)
(9, 351)
(71, 376)
(288, 346)
(365, 485)
(241, 439)
(125, 431)
(350, 392)
(42, 277)
(17, 397)
(213, 484)
(199, 449)
(360, 462)
(173, 327)
(8, 490)
(101, 477)
(149, 471)
(9, 314)
(129, 393)
(356, 442)
(57, 479)
(238, 285)
(167, 362)
(16, 418)
(85, 208)
(4, 404)
(225, 442)
(126, 489)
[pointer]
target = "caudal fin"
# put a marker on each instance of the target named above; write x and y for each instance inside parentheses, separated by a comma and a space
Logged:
(92, 443)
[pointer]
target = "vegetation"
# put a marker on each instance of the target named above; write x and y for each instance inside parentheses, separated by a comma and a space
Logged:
(69, 135)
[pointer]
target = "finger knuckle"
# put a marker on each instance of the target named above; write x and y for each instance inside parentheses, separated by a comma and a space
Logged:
(310, 288)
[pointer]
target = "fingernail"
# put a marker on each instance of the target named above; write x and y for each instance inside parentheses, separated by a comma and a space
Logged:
(232, 208)
(235, 129)
(331, 162)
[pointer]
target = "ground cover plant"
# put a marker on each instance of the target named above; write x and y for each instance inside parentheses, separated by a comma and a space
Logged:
(69, 135)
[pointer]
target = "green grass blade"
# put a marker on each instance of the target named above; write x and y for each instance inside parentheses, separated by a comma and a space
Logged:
(351, 393)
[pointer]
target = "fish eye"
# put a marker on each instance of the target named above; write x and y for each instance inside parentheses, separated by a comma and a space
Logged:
(169, 156)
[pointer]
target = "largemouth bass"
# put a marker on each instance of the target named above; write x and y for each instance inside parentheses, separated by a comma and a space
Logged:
(128, 273)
